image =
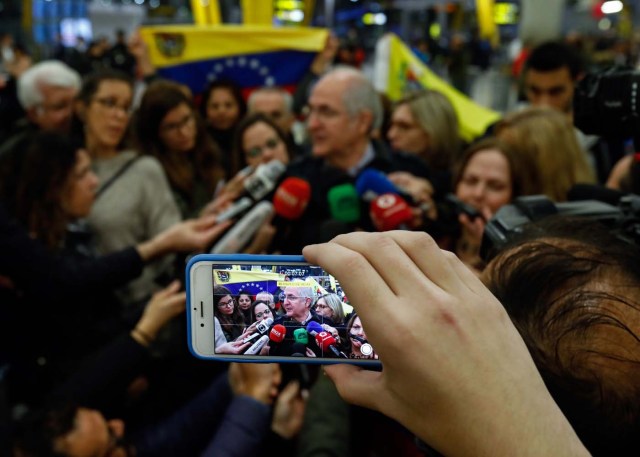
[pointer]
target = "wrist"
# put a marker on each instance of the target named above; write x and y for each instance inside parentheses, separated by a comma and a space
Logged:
(142, 336)
(152, 249)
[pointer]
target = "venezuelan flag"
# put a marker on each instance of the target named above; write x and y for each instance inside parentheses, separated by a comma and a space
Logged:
(252, 56)
(249, 281)
(398, 70)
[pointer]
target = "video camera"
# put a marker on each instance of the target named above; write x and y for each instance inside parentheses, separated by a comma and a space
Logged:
(607, 103)
(623, 220)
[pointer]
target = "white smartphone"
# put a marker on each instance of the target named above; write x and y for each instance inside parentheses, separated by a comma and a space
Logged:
(257, 308)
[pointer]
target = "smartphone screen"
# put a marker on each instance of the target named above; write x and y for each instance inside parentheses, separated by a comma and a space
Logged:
(272, 308)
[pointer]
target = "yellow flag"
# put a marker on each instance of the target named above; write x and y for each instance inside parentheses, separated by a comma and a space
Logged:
(407, 72)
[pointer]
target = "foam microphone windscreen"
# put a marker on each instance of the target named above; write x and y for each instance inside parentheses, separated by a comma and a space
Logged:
(291, 198)
(390, 212)
(277, 333)
(344, 203)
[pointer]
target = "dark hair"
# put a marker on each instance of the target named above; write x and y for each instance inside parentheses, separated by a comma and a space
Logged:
(181, 169)
(562, 283)
(253, 309)
(35, 434)
(90, 86)
(246, 123)
(232, 87)
(233, 324)
(49, 161)
(552, 56)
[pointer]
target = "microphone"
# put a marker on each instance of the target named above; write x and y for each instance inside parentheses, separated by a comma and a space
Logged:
(314, 328)
(461, 207)
(298, 350)
(243, 231)
(257, 346)
(238, 208)
(262, 328)
(264, 179)
(256, 186)
(390, 212)
(291, 198)
(357, 338)
(301, 336)
(344, 203)
(328, 343)
(277, 333)
(373, 183)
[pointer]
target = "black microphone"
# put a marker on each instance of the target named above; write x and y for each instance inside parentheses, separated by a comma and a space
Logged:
(298, 350)
(262, 328)
(357, 338)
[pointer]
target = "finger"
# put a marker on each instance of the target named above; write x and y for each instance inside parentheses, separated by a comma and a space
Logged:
(433, 262)
(172, 288)
(214, 232)
(391, 260)
(362, 283)
(355, 385)
(203, 222)
(177, 301)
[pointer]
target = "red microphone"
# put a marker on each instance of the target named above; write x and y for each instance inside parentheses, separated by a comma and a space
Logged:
(390, 212)
(328, 343)
(277, 333)
(291, 198)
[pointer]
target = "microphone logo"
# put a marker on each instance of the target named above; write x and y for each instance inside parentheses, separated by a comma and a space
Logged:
(386, 201)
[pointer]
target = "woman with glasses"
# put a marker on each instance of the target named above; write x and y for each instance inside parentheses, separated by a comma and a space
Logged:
(329, 306)
(227, 313)
(133, 202)
(260, 311)
(168, 127)
(259, 140)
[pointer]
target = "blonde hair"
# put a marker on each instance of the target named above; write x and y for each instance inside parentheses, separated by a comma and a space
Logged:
(436, 116)
(547, 139)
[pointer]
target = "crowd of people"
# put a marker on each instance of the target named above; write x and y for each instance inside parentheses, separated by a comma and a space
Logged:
(104, 194)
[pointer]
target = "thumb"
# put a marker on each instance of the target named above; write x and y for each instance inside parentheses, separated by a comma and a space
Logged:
(290, 392)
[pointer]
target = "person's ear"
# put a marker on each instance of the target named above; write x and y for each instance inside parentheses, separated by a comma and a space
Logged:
(365, 122)
(33, 113)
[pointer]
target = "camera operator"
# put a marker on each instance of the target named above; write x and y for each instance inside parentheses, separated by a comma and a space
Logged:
(552, 72)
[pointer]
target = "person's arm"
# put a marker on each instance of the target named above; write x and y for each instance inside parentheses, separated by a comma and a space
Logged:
(30, 266)
(108, 372)
(246, 421)
(456, 371)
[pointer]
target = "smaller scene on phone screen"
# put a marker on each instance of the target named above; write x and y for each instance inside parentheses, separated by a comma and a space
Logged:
(285, 311)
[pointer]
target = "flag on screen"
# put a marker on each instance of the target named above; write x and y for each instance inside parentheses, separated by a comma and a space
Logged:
(398, 71)
(249, 281)
(252, 56)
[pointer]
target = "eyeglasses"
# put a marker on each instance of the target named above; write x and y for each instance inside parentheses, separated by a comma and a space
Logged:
(323, 113)
(289, 297)
(177, 126)
(222, 304)
(263, 313)
(321, 306)
(111, 104)
(257, 151)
